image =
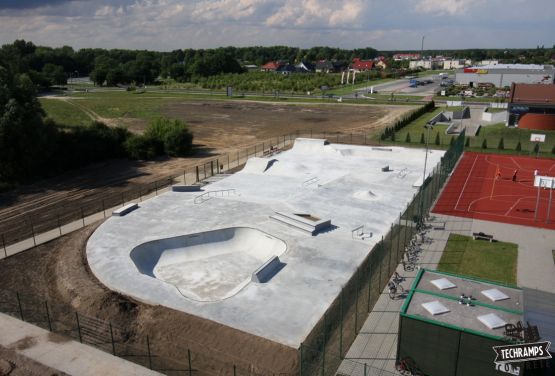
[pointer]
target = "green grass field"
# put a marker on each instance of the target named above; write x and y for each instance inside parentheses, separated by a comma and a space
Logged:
(495, 261)
(64, 113)
(511, 137)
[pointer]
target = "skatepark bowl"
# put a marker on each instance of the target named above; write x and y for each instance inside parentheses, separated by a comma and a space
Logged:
(211, 266)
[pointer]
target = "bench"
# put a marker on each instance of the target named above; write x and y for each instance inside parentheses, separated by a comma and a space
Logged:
(482, 236)
(124, 210)
(438, 225)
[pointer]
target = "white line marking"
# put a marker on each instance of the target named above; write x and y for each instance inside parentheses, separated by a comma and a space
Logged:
(466, 182)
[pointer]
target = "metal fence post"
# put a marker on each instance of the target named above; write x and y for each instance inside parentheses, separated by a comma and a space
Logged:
(82, 216)
(196, 167)
(369, 282)
(234, 370)
(390, 249)
(33, 232)
(148, 352)
(19, 305)
(156, 187)
(381, 264)
(341, 324)
(59, 224)
(356, 303)
(324, 358)
(301, 360)
(365, 369)
(399, 239)
(112, 339)
(48, 315)
(78, 327)
(190, 362)
(4, 246)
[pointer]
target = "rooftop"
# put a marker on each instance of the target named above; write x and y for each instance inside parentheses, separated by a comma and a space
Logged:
(533, 94)
(491, 302)
(343, 183)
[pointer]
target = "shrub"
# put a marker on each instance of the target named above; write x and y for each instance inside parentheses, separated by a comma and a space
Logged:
(485, 144)
(165, 136)
(501, 145)
(141, 147)
(407, 139)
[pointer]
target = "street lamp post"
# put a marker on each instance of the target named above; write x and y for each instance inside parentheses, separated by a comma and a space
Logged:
(429, 125)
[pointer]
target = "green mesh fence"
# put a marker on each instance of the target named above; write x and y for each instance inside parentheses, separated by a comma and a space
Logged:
(324, 348)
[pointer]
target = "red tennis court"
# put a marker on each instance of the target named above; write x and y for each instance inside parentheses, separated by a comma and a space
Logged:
(482, 187)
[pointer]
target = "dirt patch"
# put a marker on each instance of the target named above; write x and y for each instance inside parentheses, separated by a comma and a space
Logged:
(14, 364)
(62, 277)
(56, 338)
(23, 343)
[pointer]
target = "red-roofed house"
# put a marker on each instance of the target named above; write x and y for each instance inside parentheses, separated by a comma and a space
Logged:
(362, 65)
(271, 66)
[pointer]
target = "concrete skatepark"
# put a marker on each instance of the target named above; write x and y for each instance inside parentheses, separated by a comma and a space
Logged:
(288, 219)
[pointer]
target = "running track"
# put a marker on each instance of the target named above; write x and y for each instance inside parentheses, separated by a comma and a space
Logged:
(474, 192)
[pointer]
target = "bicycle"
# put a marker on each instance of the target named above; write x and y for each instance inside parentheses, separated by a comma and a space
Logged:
(407, 366)
(395, 290)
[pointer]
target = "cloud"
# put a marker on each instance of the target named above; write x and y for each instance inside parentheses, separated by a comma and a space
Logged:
(26, 4)
(442, 7)
(171, 24)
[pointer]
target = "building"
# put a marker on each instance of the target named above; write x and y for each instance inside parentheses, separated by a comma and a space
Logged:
(359, 65)
(501, 75)
(329, 66)
(532, 106)
(400, 57)
(454, 63)
(271, 66)
(449, 324)
(426, 64)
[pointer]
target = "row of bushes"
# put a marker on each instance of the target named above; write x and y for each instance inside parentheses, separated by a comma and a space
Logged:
(484, 145)
(389, 132)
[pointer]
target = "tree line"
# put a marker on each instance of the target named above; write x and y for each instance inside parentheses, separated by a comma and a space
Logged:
(47, 66)
(33, 146)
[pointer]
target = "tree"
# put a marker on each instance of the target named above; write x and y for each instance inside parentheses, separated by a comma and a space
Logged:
(55, 74)
(501, 145)
(26, 142)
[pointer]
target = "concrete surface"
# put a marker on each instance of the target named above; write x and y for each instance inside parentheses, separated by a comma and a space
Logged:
(312, 178)
(61, 353)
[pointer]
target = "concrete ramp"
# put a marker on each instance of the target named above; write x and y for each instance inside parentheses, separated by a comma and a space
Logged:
(209, 266)
(257, 165)
(311, 145)
(267, 270)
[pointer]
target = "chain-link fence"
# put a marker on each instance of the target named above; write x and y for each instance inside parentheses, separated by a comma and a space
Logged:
(323, 350)
(50, 219)
(101, 334)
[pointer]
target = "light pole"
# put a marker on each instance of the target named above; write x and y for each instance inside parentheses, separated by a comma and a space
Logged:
(429, 125)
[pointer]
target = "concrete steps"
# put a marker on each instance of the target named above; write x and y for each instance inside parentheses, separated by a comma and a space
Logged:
(300, 223)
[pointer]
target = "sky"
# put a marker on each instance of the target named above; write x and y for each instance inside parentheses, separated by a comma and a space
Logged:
(165, 25)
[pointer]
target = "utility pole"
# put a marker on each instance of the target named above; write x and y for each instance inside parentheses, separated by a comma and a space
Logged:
(422, 48)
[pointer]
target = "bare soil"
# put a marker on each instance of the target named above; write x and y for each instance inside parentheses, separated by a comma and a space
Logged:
(219, 127)
(58, 272)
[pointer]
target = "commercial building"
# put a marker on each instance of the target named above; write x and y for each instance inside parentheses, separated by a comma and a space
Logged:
(449, 325)
(532, 106)
(501, 75)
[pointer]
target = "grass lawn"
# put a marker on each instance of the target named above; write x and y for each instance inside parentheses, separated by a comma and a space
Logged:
(64, 113)
(495, 261)
(511, 137)
(495, 110)
(417, 128)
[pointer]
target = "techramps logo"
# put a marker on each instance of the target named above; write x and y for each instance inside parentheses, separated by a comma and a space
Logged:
(521, 353)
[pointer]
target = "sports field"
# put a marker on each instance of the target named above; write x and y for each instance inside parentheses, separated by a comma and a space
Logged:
(482, 187)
